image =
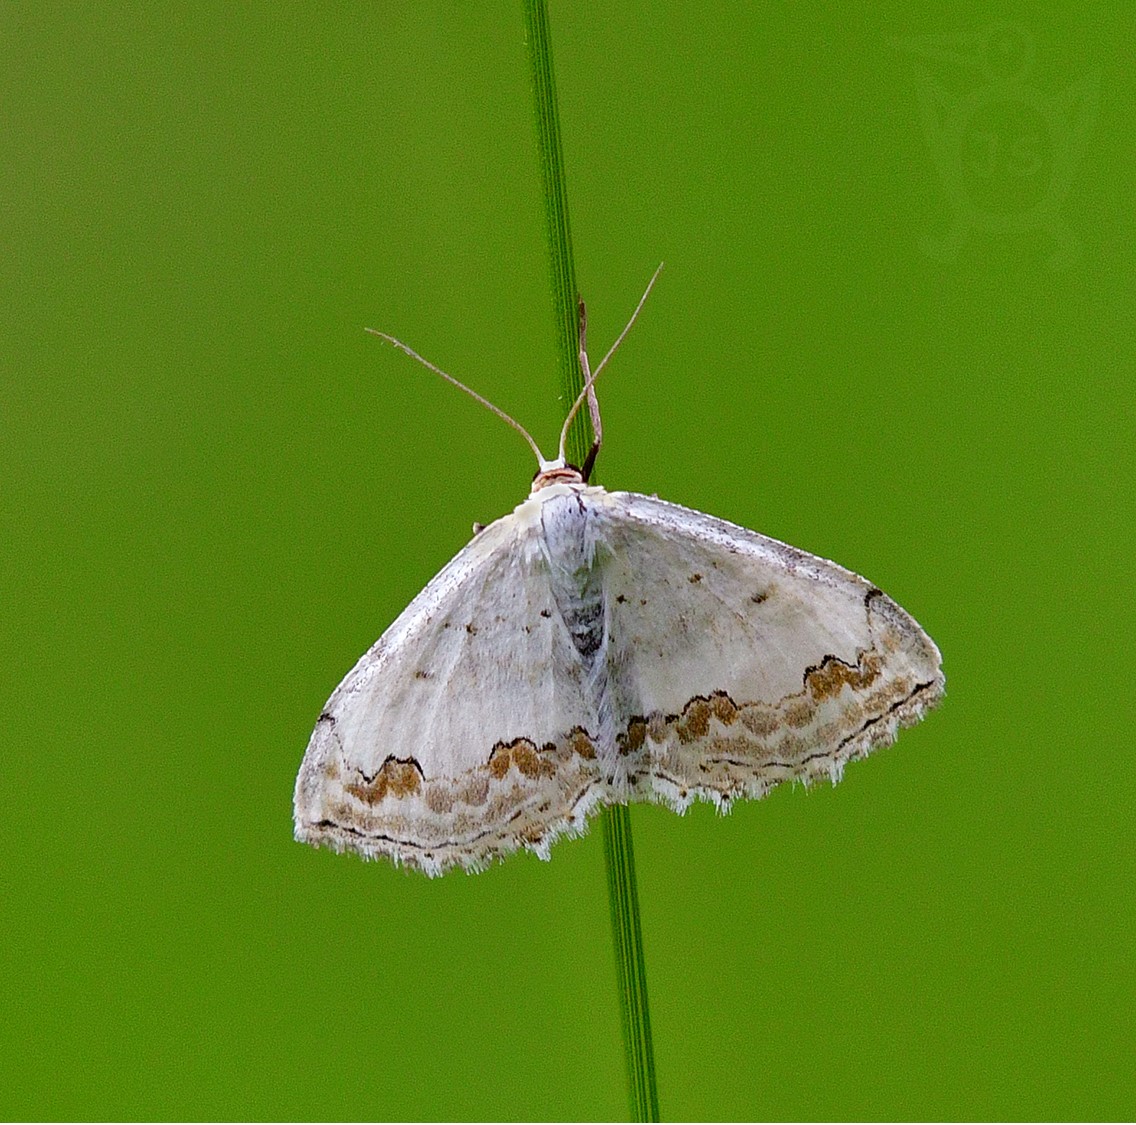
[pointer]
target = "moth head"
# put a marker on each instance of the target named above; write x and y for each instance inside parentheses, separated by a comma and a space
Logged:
(557, 472)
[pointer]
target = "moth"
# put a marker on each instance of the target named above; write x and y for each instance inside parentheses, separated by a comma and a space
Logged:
(593, 647)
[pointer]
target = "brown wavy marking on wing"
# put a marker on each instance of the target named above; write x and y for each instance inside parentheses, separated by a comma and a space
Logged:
(398, 777)
(827, 678)
(522, 796)
(520, 753)
(720, 749)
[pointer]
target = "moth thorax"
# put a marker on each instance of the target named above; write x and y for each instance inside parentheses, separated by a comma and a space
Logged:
(562, 474)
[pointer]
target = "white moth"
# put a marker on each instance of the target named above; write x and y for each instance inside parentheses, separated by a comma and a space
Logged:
(594, 647)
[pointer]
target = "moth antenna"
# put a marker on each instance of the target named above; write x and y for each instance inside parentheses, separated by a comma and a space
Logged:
(591, 377)
(462, 387)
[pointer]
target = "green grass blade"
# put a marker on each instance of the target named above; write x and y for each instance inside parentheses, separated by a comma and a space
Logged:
(623, 897)
(619, 855)
(557, 229)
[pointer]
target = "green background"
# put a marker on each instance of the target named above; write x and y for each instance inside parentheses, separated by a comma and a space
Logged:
(217, 491)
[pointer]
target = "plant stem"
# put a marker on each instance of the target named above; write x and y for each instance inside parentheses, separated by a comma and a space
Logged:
(619, 855)
(557, 230)
(623, 897)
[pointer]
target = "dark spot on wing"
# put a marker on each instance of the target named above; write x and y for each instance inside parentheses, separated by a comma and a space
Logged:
(636, 734)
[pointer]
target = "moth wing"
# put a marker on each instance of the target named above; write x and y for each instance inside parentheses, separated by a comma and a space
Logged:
(740, 662)
(459, 736)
